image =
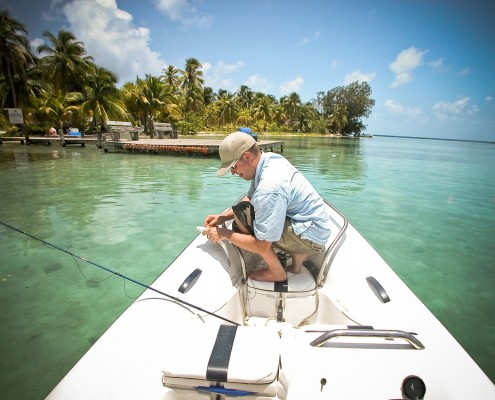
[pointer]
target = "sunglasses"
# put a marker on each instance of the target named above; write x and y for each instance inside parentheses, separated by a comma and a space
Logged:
(235, 163)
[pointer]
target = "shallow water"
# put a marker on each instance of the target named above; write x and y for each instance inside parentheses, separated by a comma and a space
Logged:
(427, 206)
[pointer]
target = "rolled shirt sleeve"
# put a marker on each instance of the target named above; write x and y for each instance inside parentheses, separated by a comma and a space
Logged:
(270, 212)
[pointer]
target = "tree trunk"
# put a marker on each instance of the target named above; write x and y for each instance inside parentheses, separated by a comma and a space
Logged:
(25, 132)
(151, 129)
(12, 87)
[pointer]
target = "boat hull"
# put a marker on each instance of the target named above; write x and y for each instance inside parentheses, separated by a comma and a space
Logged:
(377, 334)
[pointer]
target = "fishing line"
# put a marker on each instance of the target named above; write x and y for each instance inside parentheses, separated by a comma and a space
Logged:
(85, 277)
(100, 280)
(75, 256)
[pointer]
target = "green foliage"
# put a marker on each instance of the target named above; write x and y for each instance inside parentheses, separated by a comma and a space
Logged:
(190, 125)
(66, 87)
(10, 130)
(15, 58)
(320, 126)
(345, 107)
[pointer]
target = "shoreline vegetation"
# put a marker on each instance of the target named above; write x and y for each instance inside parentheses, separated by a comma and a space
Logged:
(86, 96)
(296, 134)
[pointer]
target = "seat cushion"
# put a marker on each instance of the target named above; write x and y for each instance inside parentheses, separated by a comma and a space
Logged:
(196, 358)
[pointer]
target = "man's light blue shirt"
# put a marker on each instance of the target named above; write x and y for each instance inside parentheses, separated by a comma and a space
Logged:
(279, 190)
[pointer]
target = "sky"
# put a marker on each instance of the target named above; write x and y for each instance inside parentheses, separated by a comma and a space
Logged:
(430, 63)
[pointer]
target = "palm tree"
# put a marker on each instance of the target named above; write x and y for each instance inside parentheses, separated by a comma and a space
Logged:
(263, 109)
(172, 77)
(279, 116)
(15, 53)
(211, 115)
(244, 117)
(245, 96)
(305, 118)
(130, 94)
(226, 108)
(53, 108)
(292, 107)
(65, 61)
(209, 95)
(192, 74)
(192, 85)
(28, 86)
(338, 119)
(154, 98)
(99, 101)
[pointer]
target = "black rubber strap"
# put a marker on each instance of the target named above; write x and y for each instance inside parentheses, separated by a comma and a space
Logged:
(281, 286)
(218, 365)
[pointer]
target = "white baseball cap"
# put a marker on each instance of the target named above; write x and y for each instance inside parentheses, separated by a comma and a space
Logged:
(232, 148)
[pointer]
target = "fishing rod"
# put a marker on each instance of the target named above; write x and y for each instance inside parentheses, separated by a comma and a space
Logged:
(117, 273)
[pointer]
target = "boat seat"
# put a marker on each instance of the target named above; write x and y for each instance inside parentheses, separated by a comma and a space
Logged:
(301, 283)
(292, 301)
(231, 360)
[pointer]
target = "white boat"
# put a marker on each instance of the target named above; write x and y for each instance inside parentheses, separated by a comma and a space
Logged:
(345, 327)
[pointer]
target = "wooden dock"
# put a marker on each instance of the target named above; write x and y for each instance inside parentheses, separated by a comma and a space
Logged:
(48, 140)
(181, 146)
(205, 147)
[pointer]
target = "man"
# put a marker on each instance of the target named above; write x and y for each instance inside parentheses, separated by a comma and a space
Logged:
(281, 209)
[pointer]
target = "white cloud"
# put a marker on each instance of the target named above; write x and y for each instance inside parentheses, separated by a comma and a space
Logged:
(218, 76)
(111, 38)
(259, 84)
(292, 86)
(359, 76)
(465, 71)
(488, 99)
(224, 68)
(397, 108)
(34, 45)
(206, 67)
(459, 108)
(437, 65)
(184, 12)
(307, 39)
(405, 63)
(392, 106)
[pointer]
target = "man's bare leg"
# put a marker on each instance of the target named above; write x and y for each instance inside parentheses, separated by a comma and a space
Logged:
(274, 272)
(297, 262)
(268, 275)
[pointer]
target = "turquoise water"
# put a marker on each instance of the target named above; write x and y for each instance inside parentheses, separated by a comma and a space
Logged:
(427, 206)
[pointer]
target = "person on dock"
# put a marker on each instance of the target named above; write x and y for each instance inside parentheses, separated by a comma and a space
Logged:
(52, 132)
(281, 209)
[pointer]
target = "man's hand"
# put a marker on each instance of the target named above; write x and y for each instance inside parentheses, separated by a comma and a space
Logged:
(212, 220)
(215, 234)
(218, 219)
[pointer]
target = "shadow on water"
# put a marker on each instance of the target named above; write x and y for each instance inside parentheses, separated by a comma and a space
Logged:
(53, 267)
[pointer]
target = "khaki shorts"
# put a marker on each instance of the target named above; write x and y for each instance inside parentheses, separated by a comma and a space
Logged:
(289, 242)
